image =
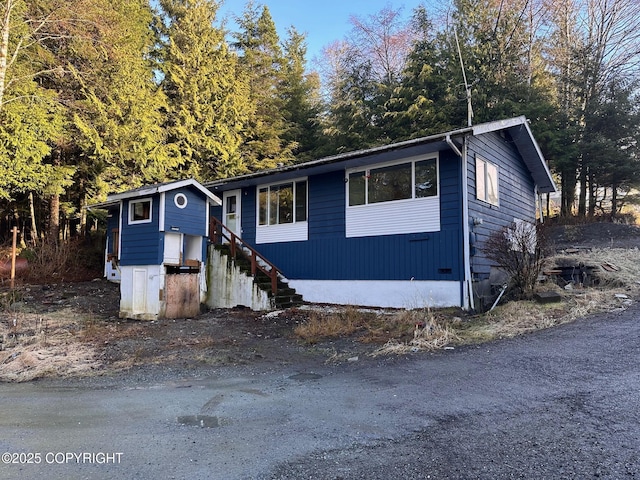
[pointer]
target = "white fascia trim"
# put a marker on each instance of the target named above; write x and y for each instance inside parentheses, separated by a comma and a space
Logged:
(151, 190)
(409, 294)
(120, 230)
(162, 212)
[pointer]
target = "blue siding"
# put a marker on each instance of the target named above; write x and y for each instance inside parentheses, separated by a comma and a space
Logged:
(190, 220)
(391, 257)
(216, 211)
(515, 193)
(329, 255)
(141, 243)
(327, 200)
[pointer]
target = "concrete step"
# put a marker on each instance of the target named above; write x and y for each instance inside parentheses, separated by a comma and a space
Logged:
(285, 296)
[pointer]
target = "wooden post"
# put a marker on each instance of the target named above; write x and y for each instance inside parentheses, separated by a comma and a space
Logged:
(13, 256)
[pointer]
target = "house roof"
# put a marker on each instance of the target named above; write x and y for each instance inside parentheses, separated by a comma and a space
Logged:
(518, 128)
(148, 190)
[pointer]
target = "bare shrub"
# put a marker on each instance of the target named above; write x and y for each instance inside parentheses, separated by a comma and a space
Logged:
(429, 333)
(519, 250)
(70, 260)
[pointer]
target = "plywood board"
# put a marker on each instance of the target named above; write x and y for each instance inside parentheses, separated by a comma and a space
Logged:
(182, 295)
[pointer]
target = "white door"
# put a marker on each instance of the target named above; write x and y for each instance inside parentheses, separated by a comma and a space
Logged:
(231, 209)
(139, 301)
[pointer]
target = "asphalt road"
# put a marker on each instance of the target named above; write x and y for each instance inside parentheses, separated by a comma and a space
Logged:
(559, 404)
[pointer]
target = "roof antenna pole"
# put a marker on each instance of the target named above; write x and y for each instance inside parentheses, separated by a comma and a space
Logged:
(467, 87)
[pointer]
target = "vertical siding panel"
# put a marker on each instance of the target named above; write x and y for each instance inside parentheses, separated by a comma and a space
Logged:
(328, 254)
(190, 220)
(140, 242)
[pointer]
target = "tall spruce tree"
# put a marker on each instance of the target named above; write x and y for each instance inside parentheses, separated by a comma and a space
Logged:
(354, 102)
(120, 114)
(610, 148)
(421, 104)
(30, 118)
(301, 103)
(267, 141)
(209, 105)
(593, 43)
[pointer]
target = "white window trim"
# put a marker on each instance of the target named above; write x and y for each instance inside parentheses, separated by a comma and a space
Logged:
(394, 217)
(482, 196)
(272, 184)
(282, 232)
(413, 161)
(131, 206)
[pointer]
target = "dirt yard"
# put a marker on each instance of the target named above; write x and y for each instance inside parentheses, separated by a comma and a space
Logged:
(73, 329)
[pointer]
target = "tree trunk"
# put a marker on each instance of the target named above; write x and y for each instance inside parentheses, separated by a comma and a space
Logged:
(614, 201)
(548, 205)
(592, 197)
(54, 217)
(582, 198)
(568, 193)
(4, 46)
(34, 227)
(84, 228)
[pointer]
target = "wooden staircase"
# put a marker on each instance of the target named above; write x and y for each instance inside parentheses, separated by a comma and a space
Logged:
(265, 275)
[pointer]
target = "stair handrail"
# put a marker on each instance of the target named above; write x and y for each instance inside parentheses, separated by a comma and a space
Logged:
(219, 231)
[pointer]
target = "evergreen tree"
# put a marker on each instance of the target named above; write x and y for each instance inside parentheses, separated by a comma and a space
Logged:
(610, 147)
(363, 73)
(420, 105)
(209, 105)
(354, 103)
(493, 39)
(300, 94)
(262, 62)
(120, 113)
(30, 122)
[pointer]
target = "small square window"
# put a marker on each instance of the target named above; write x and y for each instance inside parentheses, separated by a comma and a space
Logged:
(140, 211)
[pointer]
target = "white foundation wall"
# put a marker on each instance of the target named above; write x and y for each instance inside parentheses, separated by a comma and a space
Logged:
(229, 287)
(381, 293)
(140, 291)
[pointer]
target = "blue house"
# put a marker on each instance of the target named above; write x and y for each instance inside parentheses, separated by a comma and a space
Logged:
(400, 225)
(157, 248)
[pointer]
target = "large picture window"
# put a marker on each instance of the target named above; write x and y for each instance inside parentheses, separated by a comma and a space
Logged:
(400, 181)
(486, 181)
(140, 211)
(282, 203)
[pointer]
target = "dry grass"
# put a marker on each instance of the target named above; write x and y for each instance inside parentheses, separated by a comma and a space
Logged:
(401, 332)
(33, 348)
(66, 342)
(340, 322)
(625, 263)
(429, 333)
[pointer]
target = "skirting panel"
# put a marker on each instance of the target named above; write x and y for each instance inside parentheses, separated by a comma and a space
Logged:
(381, 293)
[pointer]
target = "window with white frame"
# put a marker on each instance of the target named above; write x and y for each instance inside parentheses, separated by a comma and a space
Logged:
(398, 181)
(282, 203)
(140, 211)
(393, 198)
(486, 181)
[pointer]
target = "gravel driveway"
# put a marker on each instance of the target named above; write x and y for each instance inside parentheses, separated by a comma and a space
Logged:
(561, 403)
